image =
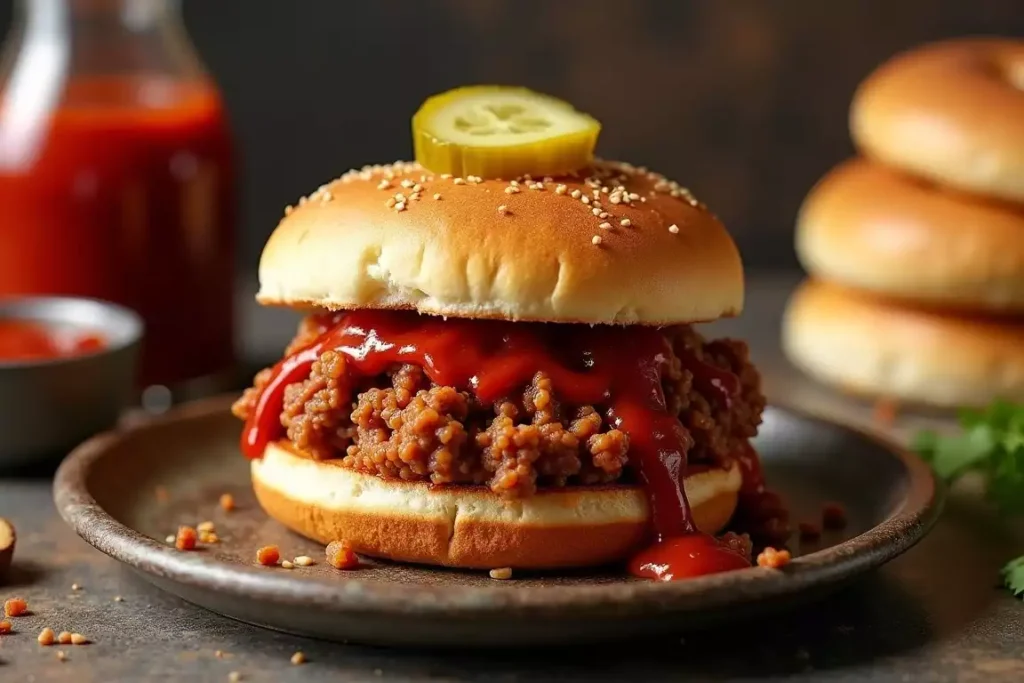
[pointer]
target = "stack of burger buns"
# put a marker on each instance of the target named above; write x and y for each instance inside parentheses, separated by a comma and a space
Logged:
(915, 248)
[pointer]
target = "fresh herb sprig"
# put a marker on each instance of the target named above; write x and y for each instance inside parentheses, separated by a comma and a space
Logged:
(991, 441)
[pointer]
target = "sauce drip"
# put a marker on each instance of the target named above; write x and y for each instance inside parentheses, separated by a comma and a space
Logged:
(24, 340)
(618, 368)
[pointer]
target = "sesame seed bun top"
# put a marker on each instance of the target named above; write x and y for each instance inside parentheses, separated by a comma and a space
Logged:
(611, 244)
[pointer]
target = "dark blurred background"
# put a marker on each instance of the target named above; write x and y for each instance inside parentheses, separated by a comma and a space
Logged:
(744, 101)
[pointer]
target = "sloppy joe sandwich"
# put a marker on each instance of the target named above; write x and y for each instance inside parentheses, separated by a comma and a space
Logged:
(503, 371)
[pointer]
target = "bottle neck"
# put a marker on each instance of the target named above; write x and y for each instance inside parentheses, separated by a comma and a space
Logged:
(108, 37)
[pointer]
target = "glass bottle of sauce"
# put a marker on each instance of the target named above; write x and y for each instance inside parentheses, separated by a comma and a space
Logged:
(116, 176)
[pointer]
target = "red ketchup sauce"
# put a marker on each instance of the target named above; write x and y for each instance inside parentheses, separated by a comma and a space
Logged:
(23, 340)
(618, 368)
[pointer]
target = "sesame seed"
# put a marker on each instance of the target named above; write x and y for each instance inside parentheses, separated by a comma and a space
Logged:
(501, 574)
(603, 214)
(302, 200)
(407, 183)
(304, 561)
(511, 189)
(674, 229)
(625, 222)
(615, 199)
(459, 181)
(390, 202)
(423, 178)
(585, 199)
(560, 189)
(118, 598)
(76, 587)
(169, 539)
(400, 206)
(399, 197)
(605, 226)
(596, 240)
(596, 211)
(446, 176)
(503, 209)
(633, 196)
(326, 196)
(417, 188)
(288, 210)
(437, 195)
(575, 194)
(286, 564)
(414, 197)
(514, 183)
(548, 179)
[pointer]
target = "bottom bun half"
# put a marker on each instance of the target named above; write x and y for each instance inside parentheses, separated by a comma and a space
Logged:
(870, 346)
(469, 526)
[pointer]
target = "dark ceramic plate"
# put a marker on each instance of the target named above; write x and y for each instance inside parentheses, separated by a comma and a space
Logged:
(125, 492)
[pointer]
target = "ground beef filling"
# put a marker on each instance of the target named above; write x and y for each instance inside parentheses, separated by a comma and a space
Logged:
(402, 426)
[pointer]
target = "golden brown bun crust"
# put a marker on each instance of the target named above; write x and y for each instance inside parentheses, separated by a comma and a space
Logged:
(952, 112)
(469, 526)
(464, 256)
(867, 345)
(872, 228)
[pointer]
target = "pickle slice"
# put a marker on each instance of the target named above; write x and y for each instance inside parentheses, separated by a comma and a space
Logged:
(502, 132)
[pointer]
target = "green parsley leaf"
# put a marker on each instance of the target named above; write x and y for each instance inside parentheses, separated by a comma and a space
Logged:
(951, 456)
(991, 441)
(1013, 576)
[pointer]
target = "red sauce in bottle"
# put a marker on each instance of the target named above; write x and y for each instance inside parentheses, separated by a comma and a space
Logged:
(127, 196)
(617, 368)
(24, 340)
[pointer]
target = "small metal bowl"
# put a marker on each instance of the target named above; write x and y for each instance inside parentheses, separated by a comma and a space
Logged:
(49, 406)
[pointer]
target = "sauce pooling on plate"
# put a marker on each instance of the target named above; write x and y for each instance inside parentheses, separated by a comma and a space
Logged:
(618, 368)
(27, 340)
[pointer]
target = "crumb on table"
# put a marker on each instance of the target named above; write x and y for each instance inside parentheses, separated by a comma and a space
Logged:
(5, 627)
(46, 637)
(186, 538)
(268, 555)
(15, 607)
(501, 573)
(341, 556)
(227, 502)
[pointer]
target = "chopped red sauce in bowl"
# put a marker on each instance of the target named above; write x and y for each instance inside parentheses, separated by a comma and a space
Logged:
(29, 340)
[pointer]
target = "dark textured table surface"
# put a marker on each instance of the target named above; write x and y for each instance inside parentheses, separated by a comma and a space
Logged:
(935, 614)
